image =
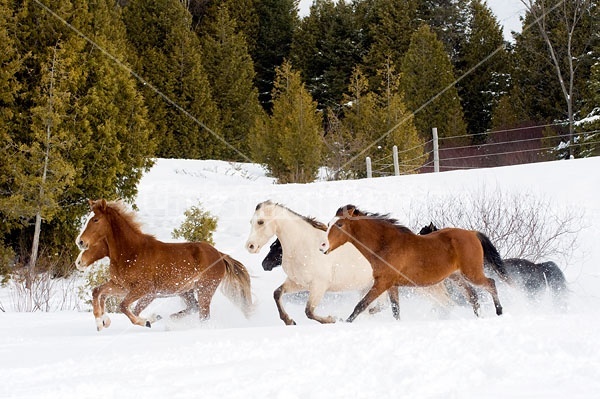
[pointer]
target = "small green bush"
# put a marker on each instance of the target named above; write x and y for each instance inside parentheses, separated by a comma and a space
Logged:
(198, 225)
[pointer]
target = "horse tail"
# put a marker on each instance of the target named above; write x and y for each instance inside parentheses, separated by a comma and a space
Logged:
(491, 256)
(236, 284)
(555, 278)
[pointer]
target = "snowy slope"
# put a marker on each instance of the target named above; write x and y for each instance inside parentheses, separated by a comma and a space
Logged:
(531, 350)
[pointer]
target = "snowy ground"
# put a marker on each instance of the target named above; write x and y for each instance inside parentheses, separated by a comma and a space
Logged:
(531, 351)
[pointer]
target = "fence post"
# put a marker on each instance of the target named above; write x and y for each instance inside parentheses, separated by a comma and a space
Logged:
(436, 151)
(396, 165)
(369, 169)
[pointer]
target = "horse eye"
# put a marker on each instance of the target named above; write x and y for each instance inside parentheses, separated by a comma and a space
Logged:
(95, 220)
(339, 224)
(260, 222)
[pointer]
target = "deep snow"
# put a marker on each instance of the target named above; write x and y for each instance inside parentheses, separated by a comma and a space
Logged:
(530, 351)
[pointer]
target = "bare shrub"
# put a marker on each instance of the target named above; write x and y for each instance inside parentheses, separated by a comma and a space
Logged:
(521, 225)
(32, 292)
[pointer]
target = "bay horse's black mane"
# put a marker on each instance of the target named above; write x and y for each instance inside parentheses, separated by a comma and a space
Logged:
(310, 220)
(352, 211)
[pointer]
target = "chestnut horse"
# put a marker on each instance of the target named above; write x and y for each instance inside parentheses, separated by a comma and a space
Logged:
(99, 250)
(143, 268)
(401, 258)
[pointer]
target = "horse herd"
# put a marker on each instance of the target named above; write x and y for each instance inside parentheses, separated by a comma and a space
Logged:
(356, 251)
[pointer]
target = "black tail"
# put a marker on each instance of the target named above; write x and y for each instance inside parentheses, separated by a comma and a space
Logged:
(491, 255)
(555, 278)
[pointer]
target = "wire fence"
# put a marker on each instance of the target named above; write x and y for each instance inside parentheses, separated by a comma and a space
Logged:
(516, 146)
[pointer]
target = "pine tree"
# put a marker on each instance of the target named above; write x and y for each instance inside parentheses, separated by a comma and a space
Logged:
(278, 20)
(428, 86)
(169, 58)
(290, 141)
(92, 130)
(390, 30)
(484, 60)
(326, 46)
(377, 121)
(231, 74)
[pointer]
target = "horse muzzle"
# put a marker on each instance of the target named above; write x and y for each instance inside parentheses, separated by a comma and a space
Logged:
(324, 248)
(252, 248)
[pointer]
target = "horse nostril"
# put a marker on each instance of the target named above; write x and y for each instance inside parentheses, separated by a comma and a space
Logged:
(251, 246)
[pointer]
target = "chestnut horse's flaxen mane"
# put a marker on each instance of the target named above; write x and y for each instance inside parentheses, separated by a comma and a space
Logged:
(127, 215)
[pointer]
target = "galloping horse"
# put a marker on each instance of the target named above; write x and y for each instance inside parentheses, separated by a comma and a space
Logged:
(306, 268)
(143, 268)
(529, 277)
(100, 250)
(401, 258)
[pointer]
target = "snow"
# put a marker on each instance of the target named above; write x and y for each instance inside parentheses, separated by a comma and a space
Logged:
(531, 350)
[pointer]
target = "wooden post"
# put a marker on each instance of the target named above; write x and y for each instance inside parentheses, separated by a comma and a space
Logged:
(436, 151)
(369, 169)
(396, 165)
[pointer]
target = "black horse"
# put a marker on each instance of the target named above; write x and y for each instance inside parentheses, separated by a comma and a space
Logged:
(531, 278)
(274, 257)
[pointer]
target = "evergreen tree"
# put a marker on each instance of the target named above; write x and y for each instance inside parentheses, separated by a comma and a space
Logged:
(390, 29)
(169, 58)
(485, 61)
(428, 86)
(377, 121)
(278, 20)
(449, 20)
(289, 142)
(231, 74)
(326, 46)
(90, 129)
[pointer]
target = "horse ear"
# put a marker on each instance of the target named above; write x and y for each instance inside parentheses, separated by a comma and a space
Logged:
(103, 204)
(90, 203)
(351, 209)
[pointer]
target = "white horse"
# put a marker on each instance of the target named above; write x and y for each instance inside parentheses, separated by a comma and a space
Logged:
(306, 267)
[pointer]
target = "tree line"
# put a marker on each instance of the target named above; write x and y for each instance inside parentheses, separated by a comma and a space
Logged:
(93, 90)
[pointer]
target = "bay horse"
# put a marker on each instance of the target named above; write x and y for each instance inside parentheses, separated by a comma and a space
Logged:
(99, 250)
(143, 268)
(529, 277)
(401, 258)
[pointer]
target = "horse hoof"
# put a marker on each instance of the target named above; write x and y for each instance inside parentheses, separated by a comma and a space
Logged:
(148, 324)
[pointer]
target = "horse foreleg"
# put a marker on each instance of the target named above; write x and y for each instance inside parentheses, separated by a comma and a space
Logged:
(315, 294)
(99, 296)
(287, 286)
(395, 301)
(379, 286)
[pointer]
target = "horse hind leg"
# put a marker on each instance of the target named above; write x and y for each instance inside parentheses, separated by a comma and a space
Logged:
(206, 290)
(191, 305)
(468, 291)
(489, 285)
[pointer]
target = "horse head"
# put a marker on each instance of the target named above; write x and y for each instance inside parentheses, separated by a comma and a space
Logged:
(274, 257)
(92, 254)
(96, 227)
(428, 229)
(262, 227)
(338, 230)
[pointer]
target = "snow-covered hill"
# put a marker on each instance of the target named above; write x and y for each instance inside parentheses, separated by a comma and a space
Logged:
(532, 350)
